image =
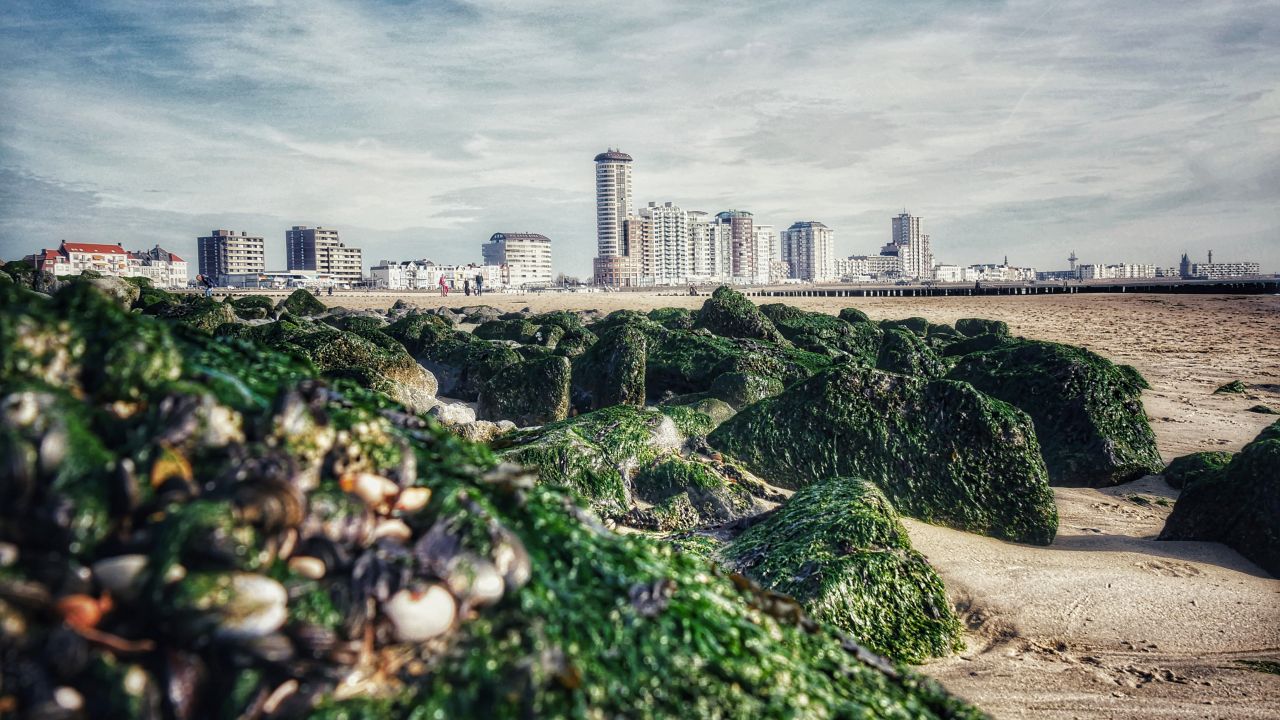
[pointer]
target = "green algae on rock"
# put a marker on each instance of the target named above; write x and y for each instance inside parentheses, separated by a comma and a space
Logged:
(1264, 410)
(1235, 387)
(906, 353)
(838, 547)
(461, 362)
(1088, 411)
(825, 334)
(973, 327)
(372, 358)
(530, 392)
(854, 316)
(523, 331)
(740, 389)
(915, 325)
(1183, 472)
(252, 307)
(611, 371)
(673, 318)
(548, 645)
(1237, 505)
(302, 303)
(942, 451)
(728, 313)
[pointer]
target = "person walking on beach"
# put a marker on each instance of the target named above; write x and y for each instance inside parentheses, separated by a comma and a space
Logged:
(444, 287)
(466, 287)
(479, 285)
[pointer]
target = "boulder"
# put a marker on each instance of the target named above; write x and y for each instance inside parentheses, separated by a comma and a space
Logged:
(530, 392)
(824, 334)
(903, 351)
(740, 389)
(460, 361)
(574, 339)
(611, 372)
(838, 547)
(302, 303)
(123, 292)
(973, 327)
(1234, 387)
(1088, 411)
(372, 359)
(917, 325)
(975, 344)
(1183, 472)
(482, 431)
(453, 413)
(673, 318)
(728, 313)
(854, 316)
(252, 307)
(942, 451)
(524, 332)
(1237, 505)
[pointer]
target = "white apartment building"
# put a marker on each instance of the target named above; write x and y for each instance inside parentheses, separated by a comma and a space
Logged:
(161, 267)
(808, 247)
(767, 250)
(911, 247)
(666, 254)
(527, 257)
(426, 275)
(1118, 271)
(868, 267)
(948, 273)
(712, 246)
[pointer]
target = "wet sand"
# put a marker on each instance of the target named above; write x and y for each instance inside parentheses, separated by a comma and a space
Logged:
(1106, 622)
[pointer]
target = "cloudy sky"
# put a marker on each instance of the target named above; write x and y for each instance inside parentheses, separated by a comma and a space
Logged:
(1126, 131)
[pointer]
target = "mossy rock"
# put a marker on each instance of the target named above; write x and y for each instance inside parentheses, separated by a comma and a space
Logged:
(854, 316)
(917, 325)
(530, 392)
(252, 307)
(358, 324)
(621, 317)
(697, 416)
(550, 648)
(611, 371)
(520, 331)
(1264, 410)
(673, 318)
(1183, 472)
(976, 344)
(740, 389)
(1238, 505)
(677, 494)
(838, 547)
(942, 451)
(1231, 388)
(728, 313)
(1088, 411)
(23, 274)
(575, 337)
(461, 362)
(825, 334)
(374, 360)
(973, 327)
(904, 352)
(303, 303)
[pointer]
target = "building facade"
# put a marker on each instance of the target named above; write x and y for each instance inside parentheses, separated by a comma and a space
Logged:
(613, 207)
(227, 252)
(161, 267)
(911, 246)
(320, 250)
(808, 247)
(426, 275)
(1217, 271)
(869, 267)
(767, 250)
(742, 255)
(527, 257)
(667, 258)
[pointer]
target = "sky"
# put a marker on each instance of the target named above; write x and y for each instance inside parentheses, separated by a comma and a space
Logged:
(1125, 131)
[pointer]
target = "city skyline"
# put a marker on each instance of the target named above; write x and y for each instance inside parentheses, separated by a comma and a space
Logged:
(1012, 128)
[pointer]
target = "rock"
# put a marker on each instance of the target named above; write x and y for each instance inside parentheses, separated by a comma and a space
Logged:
(976, 344)
(482, 431)
(252, 307)
(854, 316)
(1237, 505)
(942, 451)
(675, 494)
(916, 325)
(373, 359)
(973, 327)
(521, 331)
(902, 351)
(740, 389)
(302, 303)
(453, 413)
(461, 362)
(1183, 472)
(672, 318)
(838, 547)
(1088, 411)
(730, 314)
(1233, 387)
(531, 392)
(477, 314)
(823, 334)
(574, 339)
(1264, 410)
(611, 372)
(123, 292)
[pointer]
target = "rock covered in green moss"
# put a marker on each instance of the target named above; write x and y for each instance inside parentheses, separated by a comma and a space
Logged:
(854, 316)
(1264, 410)
(1237, 505)
(461, 362)
(1183, 472)
(575, 337)
(252, 307)
(973, 327)
(838, 547)
(371, 358)
(975, 344)
(740, 389)
(674, 493)
(611, 371)
(728, 313)
(903, 351)
(521, 331)
(1234, 387)
(916, 325)
(942, 451)
(1087, 410)
(673, 318)
(303, 303)
(545, 646)
(825, 334)
(530, 392)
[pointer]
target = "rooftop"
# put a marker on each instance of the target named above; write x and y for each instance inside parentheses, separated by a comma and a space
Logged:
(612, 155)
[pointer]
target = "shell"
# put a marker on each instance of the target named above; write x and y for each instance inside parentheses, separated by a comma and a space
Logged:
(119, 575)
(308, 567)
(413, 499)
(418, 615)
(475, 581)
(376, 491)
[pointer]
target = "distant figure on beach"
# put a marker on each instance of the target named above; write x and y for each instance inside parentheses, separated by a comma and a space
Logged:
(444, 287)
(466, 287)
(330, 291)
(479, 285)
(693, 290)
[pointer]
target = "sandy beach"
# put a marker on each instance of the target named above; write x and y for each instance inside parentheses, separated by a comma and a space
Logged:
(1106, 622)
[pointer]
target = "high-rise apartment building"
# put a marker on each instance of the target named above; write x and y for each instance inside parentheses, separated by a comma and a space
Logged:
(526, 255)
(911, 247)
(667, 257)
(226, 252)
(766, 251)
(319, 250)
(808, 248)
(614, 266)
(742, 242)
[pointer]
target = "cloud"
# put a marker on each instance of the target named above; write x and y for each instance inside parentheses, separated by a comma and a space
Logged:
(419, 128)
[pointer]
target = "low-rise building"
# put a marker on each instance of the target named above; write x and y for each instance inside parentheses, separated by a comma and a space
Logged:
(162, 267)
(527, 257)
(426, 275)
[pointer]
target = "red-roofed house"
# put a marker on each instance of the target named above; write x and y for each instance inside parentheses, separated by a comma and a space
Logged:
(73, 258)
(164, 268)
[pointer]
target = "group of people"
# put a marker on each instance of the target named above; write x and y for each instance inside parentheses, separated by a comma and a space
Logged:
(467, 287)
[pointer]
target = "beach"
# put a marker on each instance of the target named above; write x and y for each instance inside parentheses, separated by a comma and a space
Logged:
(1106, 621)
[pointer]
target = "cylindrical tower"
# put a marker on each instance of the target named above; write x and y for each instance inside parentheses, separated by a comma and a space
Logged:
(613, 201)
